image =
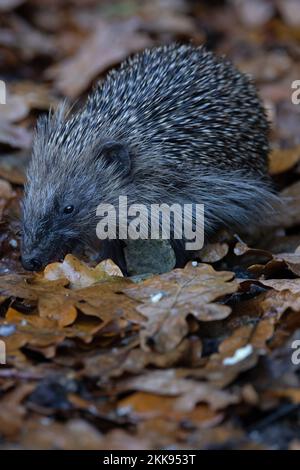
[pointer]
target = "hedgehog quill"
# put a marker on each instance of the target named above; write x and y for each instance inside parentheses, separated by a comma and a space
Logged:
(173, 124)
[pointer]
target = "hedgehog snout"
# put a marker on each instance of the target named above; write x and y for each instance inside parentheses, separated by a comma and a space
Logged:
(31, 264)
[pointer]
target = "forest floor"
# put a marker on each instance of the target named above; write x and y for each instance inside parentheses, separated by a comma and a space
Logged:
(206, 357)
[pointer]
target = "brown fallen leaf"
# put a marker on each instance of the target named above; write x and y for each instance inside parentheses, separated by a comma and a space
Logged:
(145, 406)
(76, 434)
(13, 411)
(189, 392)
(169, 298)
(292, 285)
(80, 274)
(108, 44)
(131, 359)
(292, 261)
(107, 302)
(44, 334)
(30, 286)
(186, 351)
(81, 333)
(281, 160)
(264, 263)
(292, 394)
(279, 262)
(276, 303)
(31, 330)
(237, 353)
(6, 191)
(57, 308)
(255, 335)
(213, 252)
(103, 299)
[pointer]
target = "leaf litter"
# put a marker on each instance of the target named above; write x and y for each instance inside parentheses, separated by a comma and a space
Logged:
(200, 357)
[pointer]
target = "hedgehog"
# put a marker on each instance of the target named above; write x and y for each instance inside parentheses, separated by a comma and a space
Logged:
(172, 124)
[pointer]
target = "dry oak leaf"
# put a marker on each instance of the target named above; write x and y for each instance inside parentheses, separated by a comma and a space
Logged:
(292, 260)
(103, 299)
(281, 160)
(80, 274)
(255, 335)
(57, 307)
(31, 330)
(188, 392)
(133, 360)
(146, 406)
(44, 334)
(107, 302)
(237, 353)
(266, 262)
(275, 303)
(278, 262)
(30, 286)
(169, 298)
(292, 285)
(6, 191)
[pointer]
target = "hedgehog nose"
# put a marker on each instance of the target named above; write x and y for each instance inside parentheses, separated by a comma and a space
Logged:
(31, 264)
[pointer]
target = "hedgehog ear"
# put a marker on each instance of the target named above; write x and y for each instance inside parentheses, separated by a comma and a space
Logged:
(117, 154)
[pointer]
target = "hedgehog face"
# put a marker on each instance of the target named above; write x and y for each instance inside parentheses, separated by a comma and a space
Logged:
(61, 199)
(53, 223)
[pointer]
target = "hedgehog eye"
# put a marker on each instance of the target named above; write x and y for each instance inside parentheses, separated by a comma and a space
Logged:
(68, 209)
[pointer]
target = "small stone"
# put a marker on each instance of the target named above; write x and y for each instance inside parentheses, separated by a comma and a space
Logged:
(149, 256)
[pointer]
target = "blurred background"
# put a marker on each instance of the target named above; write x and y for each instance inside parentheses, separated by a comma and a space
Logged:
(63, 385)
